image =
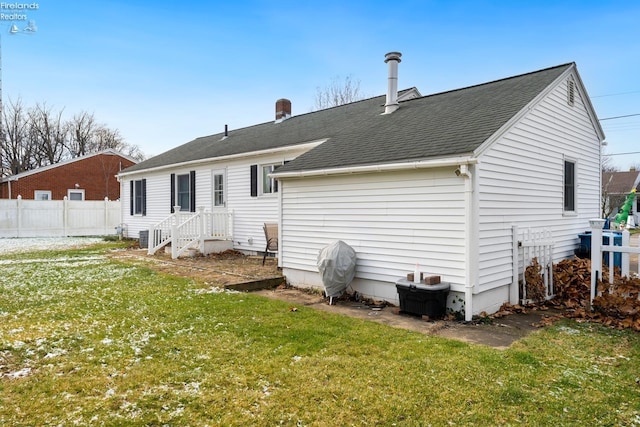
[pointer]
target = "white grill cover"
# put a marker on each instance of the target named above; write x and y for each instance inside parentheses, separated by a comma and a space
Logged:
(337, 266)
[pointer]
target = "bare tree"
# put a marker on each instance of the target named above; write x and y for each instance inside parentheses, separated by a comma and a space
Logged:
(104, 138)
(50, 133)
(18, 149)
(39, 136)
(81, 128)
(338, 93)
(133, 151)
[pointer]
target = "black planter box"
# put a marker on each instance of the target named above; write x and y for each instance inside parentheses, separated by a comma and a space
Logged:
(423, 300)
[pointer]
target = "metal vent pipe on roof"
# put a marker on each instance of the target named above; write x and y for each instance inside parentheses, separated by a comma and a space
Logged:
(393, 59)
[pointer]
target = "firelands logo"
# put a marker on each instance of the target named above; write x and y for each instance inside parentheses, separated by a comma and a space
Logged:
(16, 11)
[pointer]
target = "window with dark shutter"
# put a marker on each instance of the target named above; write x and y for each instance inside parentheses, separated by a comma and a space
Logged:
(138, 197)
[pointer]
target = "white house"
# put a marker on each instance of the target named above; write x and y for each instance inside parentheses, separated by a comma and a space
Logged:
(440, 180)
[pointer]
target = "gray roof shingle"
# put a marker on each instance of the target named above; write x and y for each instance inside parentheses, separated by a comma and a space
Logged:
(441, 125)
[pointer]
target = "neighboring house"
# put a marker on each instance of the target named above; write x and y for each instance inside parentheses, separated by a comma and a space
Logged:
(440, 180)
(616, 186)
(88, 177)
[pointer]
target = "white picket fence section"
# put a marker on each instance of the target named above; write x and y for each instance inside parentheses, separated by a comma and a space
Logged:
(527, 245)
(598, 248)
(58, 218)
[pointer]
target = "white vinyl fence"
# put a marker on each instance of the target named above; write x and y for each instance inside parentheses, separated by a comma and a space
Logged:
(616, 254)
(58, 218)
(527, 245)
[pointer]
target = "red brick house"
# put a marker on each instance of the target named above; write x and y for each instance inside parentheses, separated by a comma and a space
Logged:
(89, 177)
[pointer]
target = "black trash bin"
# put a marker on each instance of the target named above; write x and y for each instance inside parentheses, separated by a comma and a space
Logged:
(423, 300)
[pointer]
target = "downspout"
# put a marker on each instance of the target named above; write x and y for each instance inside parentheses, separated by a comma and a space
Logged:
(463, 170)
(9, 185)
(280, 191)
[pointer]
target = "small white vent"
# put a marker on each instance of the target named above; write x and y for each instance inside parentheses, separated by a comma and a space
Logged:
(571, 92)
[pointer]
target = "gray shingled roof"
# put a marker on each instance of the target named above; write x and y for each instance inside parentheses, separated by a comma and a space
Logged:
(441, 125)
(620, 182)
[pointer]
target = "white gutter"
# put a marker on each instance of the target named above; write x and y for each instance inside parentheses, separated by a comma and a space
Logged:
(306, 145)
(420, 164)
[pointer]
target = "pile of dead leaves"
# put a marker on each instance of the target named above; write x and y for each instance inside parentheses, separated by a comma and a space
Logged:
(535, 287)
(616, 305)
(572, 283)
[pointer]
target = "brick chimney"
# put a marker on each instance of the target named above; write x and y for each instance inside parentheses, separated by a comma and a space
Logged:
(393, 59)
(283, 109)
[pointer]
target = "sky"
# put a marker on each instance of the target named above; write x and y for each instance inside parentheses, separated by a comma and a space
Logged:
(166, 72)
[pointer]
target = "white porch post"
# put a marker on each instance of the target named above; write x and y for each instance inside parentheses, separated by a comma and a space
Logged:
(513, 290)
(151, 240)
(201, 228)
(174, 231)
(626, 241)
(596, 254)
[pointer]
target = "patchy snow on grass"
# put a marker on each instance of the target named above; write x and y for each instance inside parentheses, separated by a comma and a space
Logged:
(44, 243)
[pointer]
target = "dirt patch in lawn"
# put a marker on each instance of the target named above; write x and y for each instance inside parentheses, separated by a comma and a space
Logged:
(231, 268)
(223, 269)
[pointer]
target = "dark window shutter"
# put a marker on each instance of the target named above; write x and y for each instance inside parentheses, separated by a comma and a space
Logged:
(173, 190)
(144, 197)
(192, 190)
(131, 198)
(254, 180)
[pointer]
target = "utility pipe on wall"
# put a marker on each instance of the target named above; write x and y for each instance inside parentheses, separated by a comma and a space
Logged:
(463, 170)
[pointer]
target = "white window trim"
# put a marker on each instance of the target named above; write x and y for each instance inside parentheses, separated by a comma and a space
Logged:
(261, 179)
(178, 193)
(574, 212)
(37, 193)
(222, 172)
(135, 198)
(75, 190)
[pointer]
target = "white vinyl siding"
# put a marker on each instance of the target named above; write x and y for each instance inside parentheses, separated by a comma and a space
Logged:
(249, 213)
(392, 220)
(521, 182)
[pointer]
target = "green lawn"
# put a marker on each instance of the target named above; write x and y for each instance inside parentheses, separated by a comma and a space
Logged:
(86, 340)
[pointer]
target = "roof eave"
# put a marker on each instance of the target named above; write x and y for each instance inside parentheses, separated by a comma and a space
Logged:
(388, 167)
(305, 145)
